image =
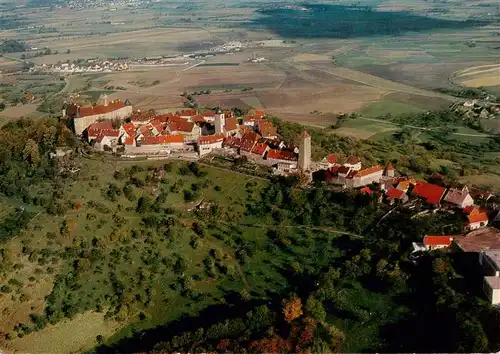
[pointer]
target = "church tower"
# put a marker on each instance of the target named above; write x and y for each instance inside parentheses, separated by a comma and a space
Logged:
(220, 121)
(304, 151)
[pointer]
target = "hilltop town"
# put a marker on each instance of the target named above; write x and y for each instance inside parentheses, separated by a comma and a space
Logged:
(115, 127)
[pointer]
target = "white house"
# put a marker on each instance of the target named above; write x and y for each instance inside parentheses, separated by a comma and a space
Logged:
(206, 144)
(459, 197)
(353, 162)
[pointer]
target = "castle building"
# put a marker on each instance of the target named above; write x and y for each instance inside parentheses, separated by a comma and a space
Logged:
(304, 151)
(83, 117)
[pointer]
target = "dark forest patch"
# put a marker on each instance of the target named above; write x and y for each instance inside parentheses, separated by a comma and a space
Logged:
(338, 21)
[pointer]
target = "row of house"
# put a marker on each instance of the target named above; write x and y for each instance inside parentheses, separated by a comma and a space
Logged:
(150, 133)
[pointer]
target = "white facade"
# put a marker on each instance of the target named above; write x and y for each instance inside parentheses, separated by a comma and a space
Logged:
(491, 288)
(207, 148)
(477, 225)
(355, 167)
(80, 124)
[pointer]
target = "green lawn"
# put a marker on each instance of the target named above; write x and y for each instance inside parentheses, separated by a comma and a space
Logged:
(387, 106)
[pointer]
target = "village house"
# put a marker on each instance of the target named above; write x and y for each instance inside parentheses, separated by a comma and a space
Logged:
(162, 144)
(489, 260)
(232, 144)
(389, 170)
(273, 143)
(231, 126)
(394, 195)
(251, 121)
(95, 129)
(283, 157)
(82, 117)
(187, 113)
(107, 140)
(437, 242)
(260, 149)
(353, 162)
(364, 177)
(405, 183)
(209, 116)
(259, 113)
(190, 130)
(329, 161)
(206, 144)
(139, 118)
(476, 218)
(430, 193)
(246, 146)
(459, 197)
(267, 130)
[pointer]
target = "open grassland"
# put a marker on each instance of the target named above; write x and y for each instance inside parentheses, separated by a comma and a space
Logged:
(75, 335)
(131, 255)
(485, 75)
(91, 221)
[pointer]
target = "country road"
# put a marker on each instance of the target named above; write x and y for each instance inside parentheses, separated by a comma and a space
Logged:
(424, 128)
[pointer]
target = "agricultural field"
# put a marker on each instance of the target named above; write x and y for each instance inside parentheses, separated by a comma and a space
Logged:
(479, 76)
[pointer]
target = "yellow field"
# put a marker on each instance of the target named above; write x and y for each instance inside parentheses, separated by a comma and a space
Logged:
(485, 75)
(76, 335)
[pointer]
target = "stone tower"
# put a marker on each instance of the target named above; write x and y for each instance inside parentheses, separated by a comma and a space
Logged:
(220, 121)
(304, 151)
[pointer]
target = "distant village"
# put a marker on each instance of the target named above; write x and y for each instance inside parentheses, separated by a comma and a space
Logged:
(114, 126)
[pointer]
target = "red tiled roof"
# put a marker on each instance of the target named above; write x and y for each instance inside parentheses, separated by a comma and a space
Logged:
(188, 112)
(129, 140)
(469, 209)
(477, 215)
(438, 240)
(389, 167)
(95, 128)
(142, 116)
(181, 125)
(208, 114)
(281, 155)
(368, 171)
(163, 139)
(100, 109)
(163, 118)
(210, 139)
(260, 113)
(251, 135)
(198, 119)
(247, 144)
(129, 129)
(353, 160)
(332, 158)
(259, 149)
(267, 129)
(432, 193)
(232, 141)
(394, 193)
(366, 190)
(231, 124)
